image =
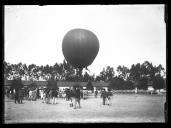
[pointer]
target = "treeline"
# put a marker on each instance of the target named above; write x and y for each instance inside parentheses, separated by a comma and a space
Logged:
(139, 75)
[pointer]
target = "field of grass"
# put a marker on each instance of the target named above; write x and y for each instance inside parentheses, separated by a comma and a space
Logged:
(125, 108)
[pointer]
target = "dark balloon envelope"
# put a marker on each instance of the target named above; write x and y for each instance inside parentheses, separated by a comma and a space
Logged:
(80, 47)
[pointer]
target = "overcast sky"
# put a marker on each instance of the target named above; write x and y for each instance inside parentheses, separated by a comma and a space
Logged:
(128, 34)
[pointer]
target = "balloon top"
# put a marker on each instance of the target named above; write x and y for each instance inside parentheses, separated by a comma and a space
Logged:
(80, 47)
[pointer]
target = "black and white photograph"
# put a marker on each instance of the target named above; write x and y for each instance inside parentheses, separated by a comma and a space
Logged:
(85, 64)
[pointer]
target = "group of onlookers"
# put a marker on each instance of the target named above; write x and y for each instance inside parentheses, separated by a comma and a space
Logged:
(16, 94)
(106, 95)
(50, 96)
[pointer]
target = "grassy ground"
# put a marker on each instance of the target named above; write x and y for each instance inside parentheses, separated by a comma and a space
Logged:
(125, 108)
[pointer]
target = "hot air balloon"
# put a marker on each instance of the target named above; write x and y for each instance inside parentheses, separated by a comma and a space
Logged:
(80, 47)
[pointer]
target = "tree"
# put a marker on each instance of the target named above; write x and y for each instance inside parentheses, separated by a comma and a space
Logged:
(70, 73)
(158, 82)
(102, 75)
(56, 71)
(117, 83)
(35, 72)
(106, 74)
(25, 68)
(128, 85)
(20, 69)
(135, 73)
(143, 83)
(7, 70)
(30, 71)
(86, 77)
(148, 69)
(154, 73)
(109, 73)
(92, 77)
(47, 72)
(160, 70)
(123, 72)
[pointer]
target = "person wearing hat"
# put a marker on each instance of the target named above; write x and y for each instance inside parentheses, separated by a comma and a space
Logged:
(104, 95)
(109, 97)
(16, 95)
(54, 96)
(20, 96)
(77, 98)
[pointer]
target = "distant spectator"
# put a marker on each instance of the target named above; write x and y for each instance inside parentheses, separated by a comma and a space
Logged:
(34, 94)
(96, 92)
(60, 94)
(16, 96)
(8, 93)
(20, 96)
(77, 98)
(54, 96)
(71, 98)
(47, 96)
(50, 96)
(67, 94)
(109, 96)
(37, 94)
(81, 93)
(27, 94)
(103, 95)
(44, 97)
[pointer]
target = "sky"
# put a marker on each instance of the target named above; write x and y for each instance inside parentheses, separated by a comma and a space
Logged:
(127, 34)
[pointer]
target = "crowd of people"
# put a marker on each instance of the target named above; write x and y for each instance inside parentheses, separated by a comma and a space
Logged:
(106, 96)
(51, 95)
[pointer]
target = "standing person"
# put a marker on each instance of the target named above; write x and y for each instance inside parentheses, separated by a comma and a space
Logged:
(47, 96)
(13, 92)
(103, 95)
(27, 94)
(109, 97)
(63, 95)
(96, 92)
(16, 96)
(66, 92)
(77, 98)
(20, 96)
(60, 94)
(8, 92)
(44, 97)
(30, 95)
(136, 90)
(37, 94)
(81, 93)
(34, 93)
(50, 96)
(41, 94)
(54, 96)
(71, 98)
